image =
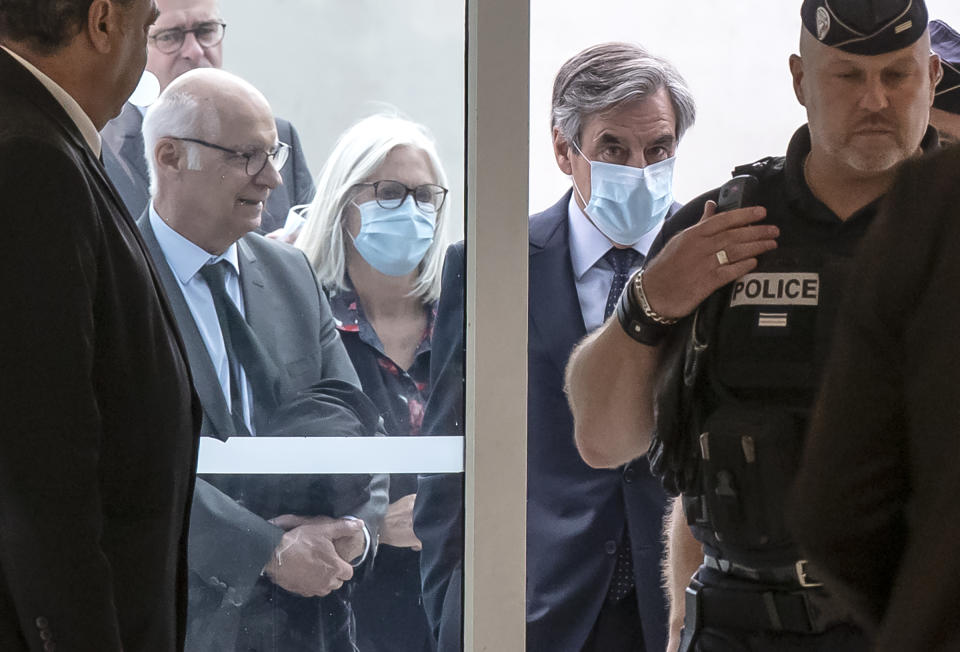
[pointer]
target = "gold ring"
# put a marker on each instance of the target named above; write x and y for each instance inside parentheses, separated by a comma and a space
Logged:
(722, 257)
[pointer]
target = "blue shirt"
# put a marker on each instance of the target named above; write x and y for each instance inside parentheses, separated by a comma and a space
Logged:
(592, 274)
(185, 260)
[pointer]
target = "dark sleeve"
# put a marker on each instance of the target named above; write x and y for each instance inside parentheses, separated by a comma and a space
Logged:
(51, 512)
(303, 189)
(890, 384)
(438, 511)
(216, 519)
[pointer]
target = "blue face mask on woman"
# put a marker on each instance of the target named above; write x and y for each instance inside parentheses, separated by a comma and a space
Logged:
(394, 240)
(626, 202)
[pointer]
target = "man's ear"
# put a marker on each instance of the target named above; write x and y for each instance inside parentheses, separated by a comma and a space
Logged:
(562, 152)
(936, 74)
(167, 155)
(103, 19)
(796, 71)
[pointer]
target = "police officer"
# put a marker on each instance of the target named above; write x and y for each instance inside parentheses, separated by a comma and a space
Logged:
(726, 329)
(945, 114)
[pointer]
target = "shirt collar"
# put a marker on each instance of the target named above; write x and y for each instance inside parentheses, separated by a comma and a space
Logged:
(588, 244)
(76, 113)
(184, 257)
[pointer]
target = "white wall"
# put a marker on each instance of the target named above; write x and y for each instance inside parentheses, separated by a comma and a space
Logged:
(325, 63)
(732, 54)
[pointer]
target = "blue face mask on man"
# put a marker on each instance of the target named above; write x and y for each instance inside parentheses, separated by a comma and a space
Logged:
(394, 240)
(626, 202)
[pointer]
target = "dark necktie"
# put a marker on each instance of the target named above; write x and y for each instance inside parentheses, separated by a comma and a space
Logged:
(621, 260)
(243, 349)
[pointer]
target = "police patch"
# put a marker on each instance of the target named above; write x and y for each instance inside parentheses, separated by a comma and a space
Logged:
(823, 23)
(774, 289)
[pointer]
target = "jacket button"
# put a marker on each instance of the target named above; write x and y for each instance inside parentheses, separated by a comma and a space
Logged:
(45, 635)
(610, 547)
(629, 475)
(49, 646)
(42, 623)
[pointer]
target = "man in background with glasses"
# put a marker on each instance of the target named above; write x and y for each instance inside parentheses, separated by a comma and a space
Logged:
(259, 336)
(187, 35)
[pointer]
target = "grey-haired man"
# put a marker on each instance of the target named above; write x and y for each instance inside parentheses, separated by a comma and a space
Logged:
(593, 536)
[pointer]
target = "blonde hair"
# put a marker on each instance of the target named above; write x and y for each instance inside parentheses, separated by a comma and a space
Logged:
(359, 151)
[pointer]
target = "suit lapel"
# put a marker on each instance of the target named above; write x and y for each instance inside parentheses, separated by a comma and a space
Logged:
(553, 303)
(205, 378)
(262, 308)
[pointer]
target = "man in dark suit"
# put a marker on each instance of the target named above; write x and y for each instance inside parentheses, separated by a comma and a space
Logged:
(593, 536)
(438, 510)
(99, 422)
(188, 34)
(876, 495)
(253, 586)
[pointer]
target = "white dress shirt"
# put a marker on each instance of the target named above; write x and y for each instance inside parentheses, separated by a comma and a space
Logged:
(76, 113)
(592, 274)
(185, 260)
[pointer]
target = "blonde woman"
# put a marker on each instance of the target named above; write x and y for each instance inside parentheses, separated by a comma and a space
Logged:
(374, 237)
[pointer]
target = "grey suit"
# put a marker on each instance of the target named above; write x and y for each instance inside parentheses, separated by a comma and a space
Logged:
(126, 165)
(289, 313)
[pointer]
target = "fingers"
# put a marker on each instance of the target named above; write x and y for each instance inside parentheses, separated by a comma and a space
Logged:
(287, 521)
(752, 249)
(713, 223)
(344, 527)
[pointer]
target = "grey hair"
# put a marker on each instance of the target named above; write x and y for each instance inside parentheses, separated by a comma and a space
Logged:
(359, 151)
(178, 114)
(606, 75)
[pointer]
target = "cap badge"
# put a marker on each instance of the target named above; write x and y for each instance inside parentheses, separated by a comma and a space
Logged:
(823, 23)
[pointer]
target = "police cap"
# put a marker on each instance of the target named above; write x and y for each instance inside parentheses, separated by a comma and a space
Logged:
(865, 26)
(946, 42)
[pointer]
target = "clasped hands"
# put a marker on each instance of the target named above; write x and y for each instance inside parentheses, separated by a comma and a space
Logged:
(314, 555)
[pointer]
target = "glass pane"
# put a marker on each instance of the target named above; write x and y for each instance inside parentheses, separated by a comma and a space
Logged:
(302, 533)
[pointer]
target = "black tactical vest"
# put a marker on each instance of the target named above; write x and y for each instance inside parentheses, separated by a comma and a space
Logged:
(745, 373)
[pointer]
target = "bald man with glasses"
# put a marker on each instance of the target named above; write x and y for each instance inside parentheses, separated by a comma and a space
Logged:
(260, 339)
(187, 35)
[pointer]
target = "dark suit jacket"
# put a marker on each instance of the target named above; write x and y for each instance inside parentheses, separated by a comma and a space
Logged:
(126, 164)
(290, 315)
(876, 497)
(576, 514)
(98, 443)
(438, 511)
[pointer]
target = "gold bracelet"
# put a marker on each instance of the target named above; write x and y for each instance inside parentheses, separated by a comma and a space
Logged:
(641, 296)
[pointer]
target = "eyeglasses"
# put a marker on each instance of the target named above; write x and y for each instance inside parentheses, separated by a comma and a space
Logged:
(256, 161)
(207, 34)
(391, 194)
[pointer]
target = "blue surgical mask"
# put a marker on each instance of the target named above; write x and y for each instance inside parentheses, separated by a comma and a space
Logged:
(394, 240)
(626, 202)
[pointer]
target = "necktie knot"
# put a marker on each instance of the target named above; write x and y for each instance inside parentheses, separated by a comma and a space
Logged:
(215, 274)
(621, 260)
